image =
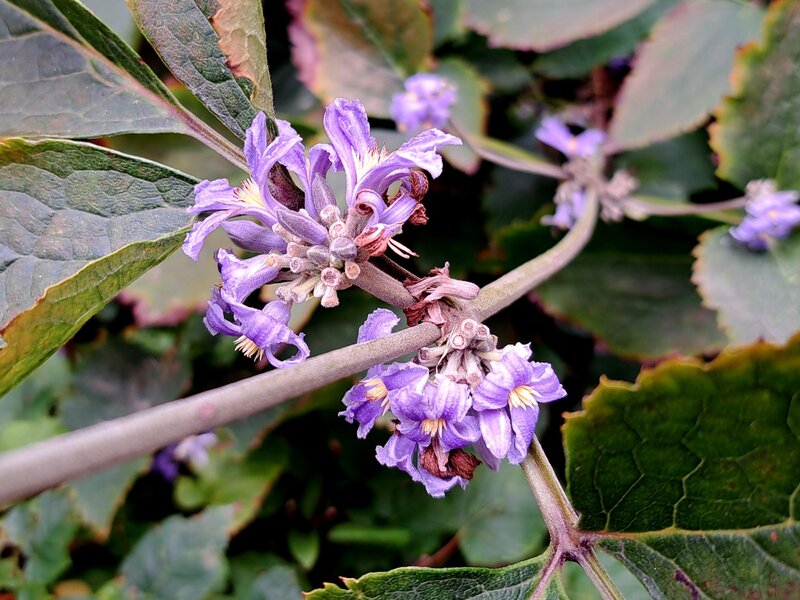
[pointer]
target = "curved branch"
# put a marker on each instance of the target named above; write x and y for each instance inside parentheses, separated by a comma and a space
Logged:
(514, 284)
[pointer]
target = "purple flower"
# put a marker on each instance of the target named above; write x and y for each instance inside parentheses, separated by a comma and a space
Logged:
(425, 103)
(259, 333)
(567, 211)
(368, 167)
(553, 132)
(371, 397)
(433, 427)
(192, 449)
(507, 402)
(770, 215)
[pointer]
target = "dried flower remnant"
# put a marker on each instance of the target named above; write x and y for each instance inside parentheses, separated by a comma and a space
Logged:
(316, 249)
(770, 215)
(426, 102)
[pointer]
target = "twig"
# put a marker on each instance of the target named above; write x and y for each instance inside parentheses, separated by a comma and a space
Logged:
(383, 286)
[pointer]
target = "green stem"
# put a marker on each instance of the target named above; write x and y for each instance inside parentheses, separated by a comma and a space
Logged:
(644, 207)
(513, 285)
(211, 138)
(510, 156)
(598, 575)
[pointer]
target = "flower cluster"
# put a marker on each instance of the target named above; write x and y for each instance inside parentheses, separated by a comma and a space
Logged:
(463, 392)
(770, 215)
(581, 151)
(425, 103)
(305, 241)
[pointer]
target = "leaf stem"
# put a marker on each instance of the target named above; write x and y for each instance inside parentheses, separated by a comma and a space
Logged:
(648, 207)
(598, 575)
(506, 155)
(211, 138)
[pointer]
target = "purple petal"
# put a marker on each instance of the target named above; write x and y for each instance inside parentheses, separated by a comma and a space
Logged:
(496, 431)
(460, 434)
(193, 243)
(240, 278)
(523, 425)
(545, 382)
(361, 409)
(436, 486)
(397, 376)
(346, 124)
(215, 319)
(379, 324)
(587, 142)
(254, 237)
(264, 158)
(268, 330)
(398, 452)
(453, 400)
(553, 132)
(409, 406)
(489, 459)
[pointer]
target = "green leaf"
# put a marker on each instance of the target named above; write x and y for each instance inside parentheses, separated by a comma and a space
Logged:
(360, 49)
(636, 279)
(231, 479)
(682, 71)
(469, 111)
(578, 586)
(183, 559)
(579, 58)
(448, 20)
(693, 471)
(187, 43)
(304, 546)
(509, 583)
(116, 15)
(757, 133)
(543, 25)
(113, 380)
(756, 294)
(73, 77)
(42, 529)
(240, 25)
(16, 434)
(78, 224)
(673, 169)
(37, 395)
(501, 523)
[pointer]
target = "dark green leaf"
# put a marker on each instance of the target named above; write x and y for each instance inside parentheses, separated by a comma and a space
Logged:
(469, 111)
(516, 582)
(690, 446)
(757, 133)
(304, 547)
(630, 287)
(447, 20)
(36, 396)
(242, 482)
(756, 294)
(182, 35)
(360, 49)
(42, 529)
(682, 71)
(579, 58)
(73, 77)
(78, 224)
(693, 471)
(673, 169)
(183, 559)
(578, 586)
(543, 25)
(501, 523)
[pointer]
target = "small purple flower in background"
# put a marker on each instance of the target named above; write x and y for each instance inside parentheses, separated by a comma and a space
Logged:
(302, 238)
(192, 450)
(568, 209)
(371, 397)
(507, 402)
(425, 103)
(770, 215)
(554, 132)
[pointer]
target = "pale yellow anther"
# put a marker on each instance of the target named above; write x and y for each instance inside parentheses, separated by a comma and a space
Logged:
(250, 194)
(249, 348)
(376, 389)
(433, 427)
(523, 397)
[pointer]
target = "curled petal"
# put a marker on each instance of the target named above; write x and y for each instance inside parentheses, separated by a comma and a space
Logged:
(461, 433)
(379, 323)
(267, 328)
(398, 452)
(240, 278)
(545, 382)
(523, 426)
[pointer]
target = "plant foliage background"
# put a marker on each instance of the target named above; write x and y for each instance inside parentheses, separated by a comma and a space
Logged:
(684, 457)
